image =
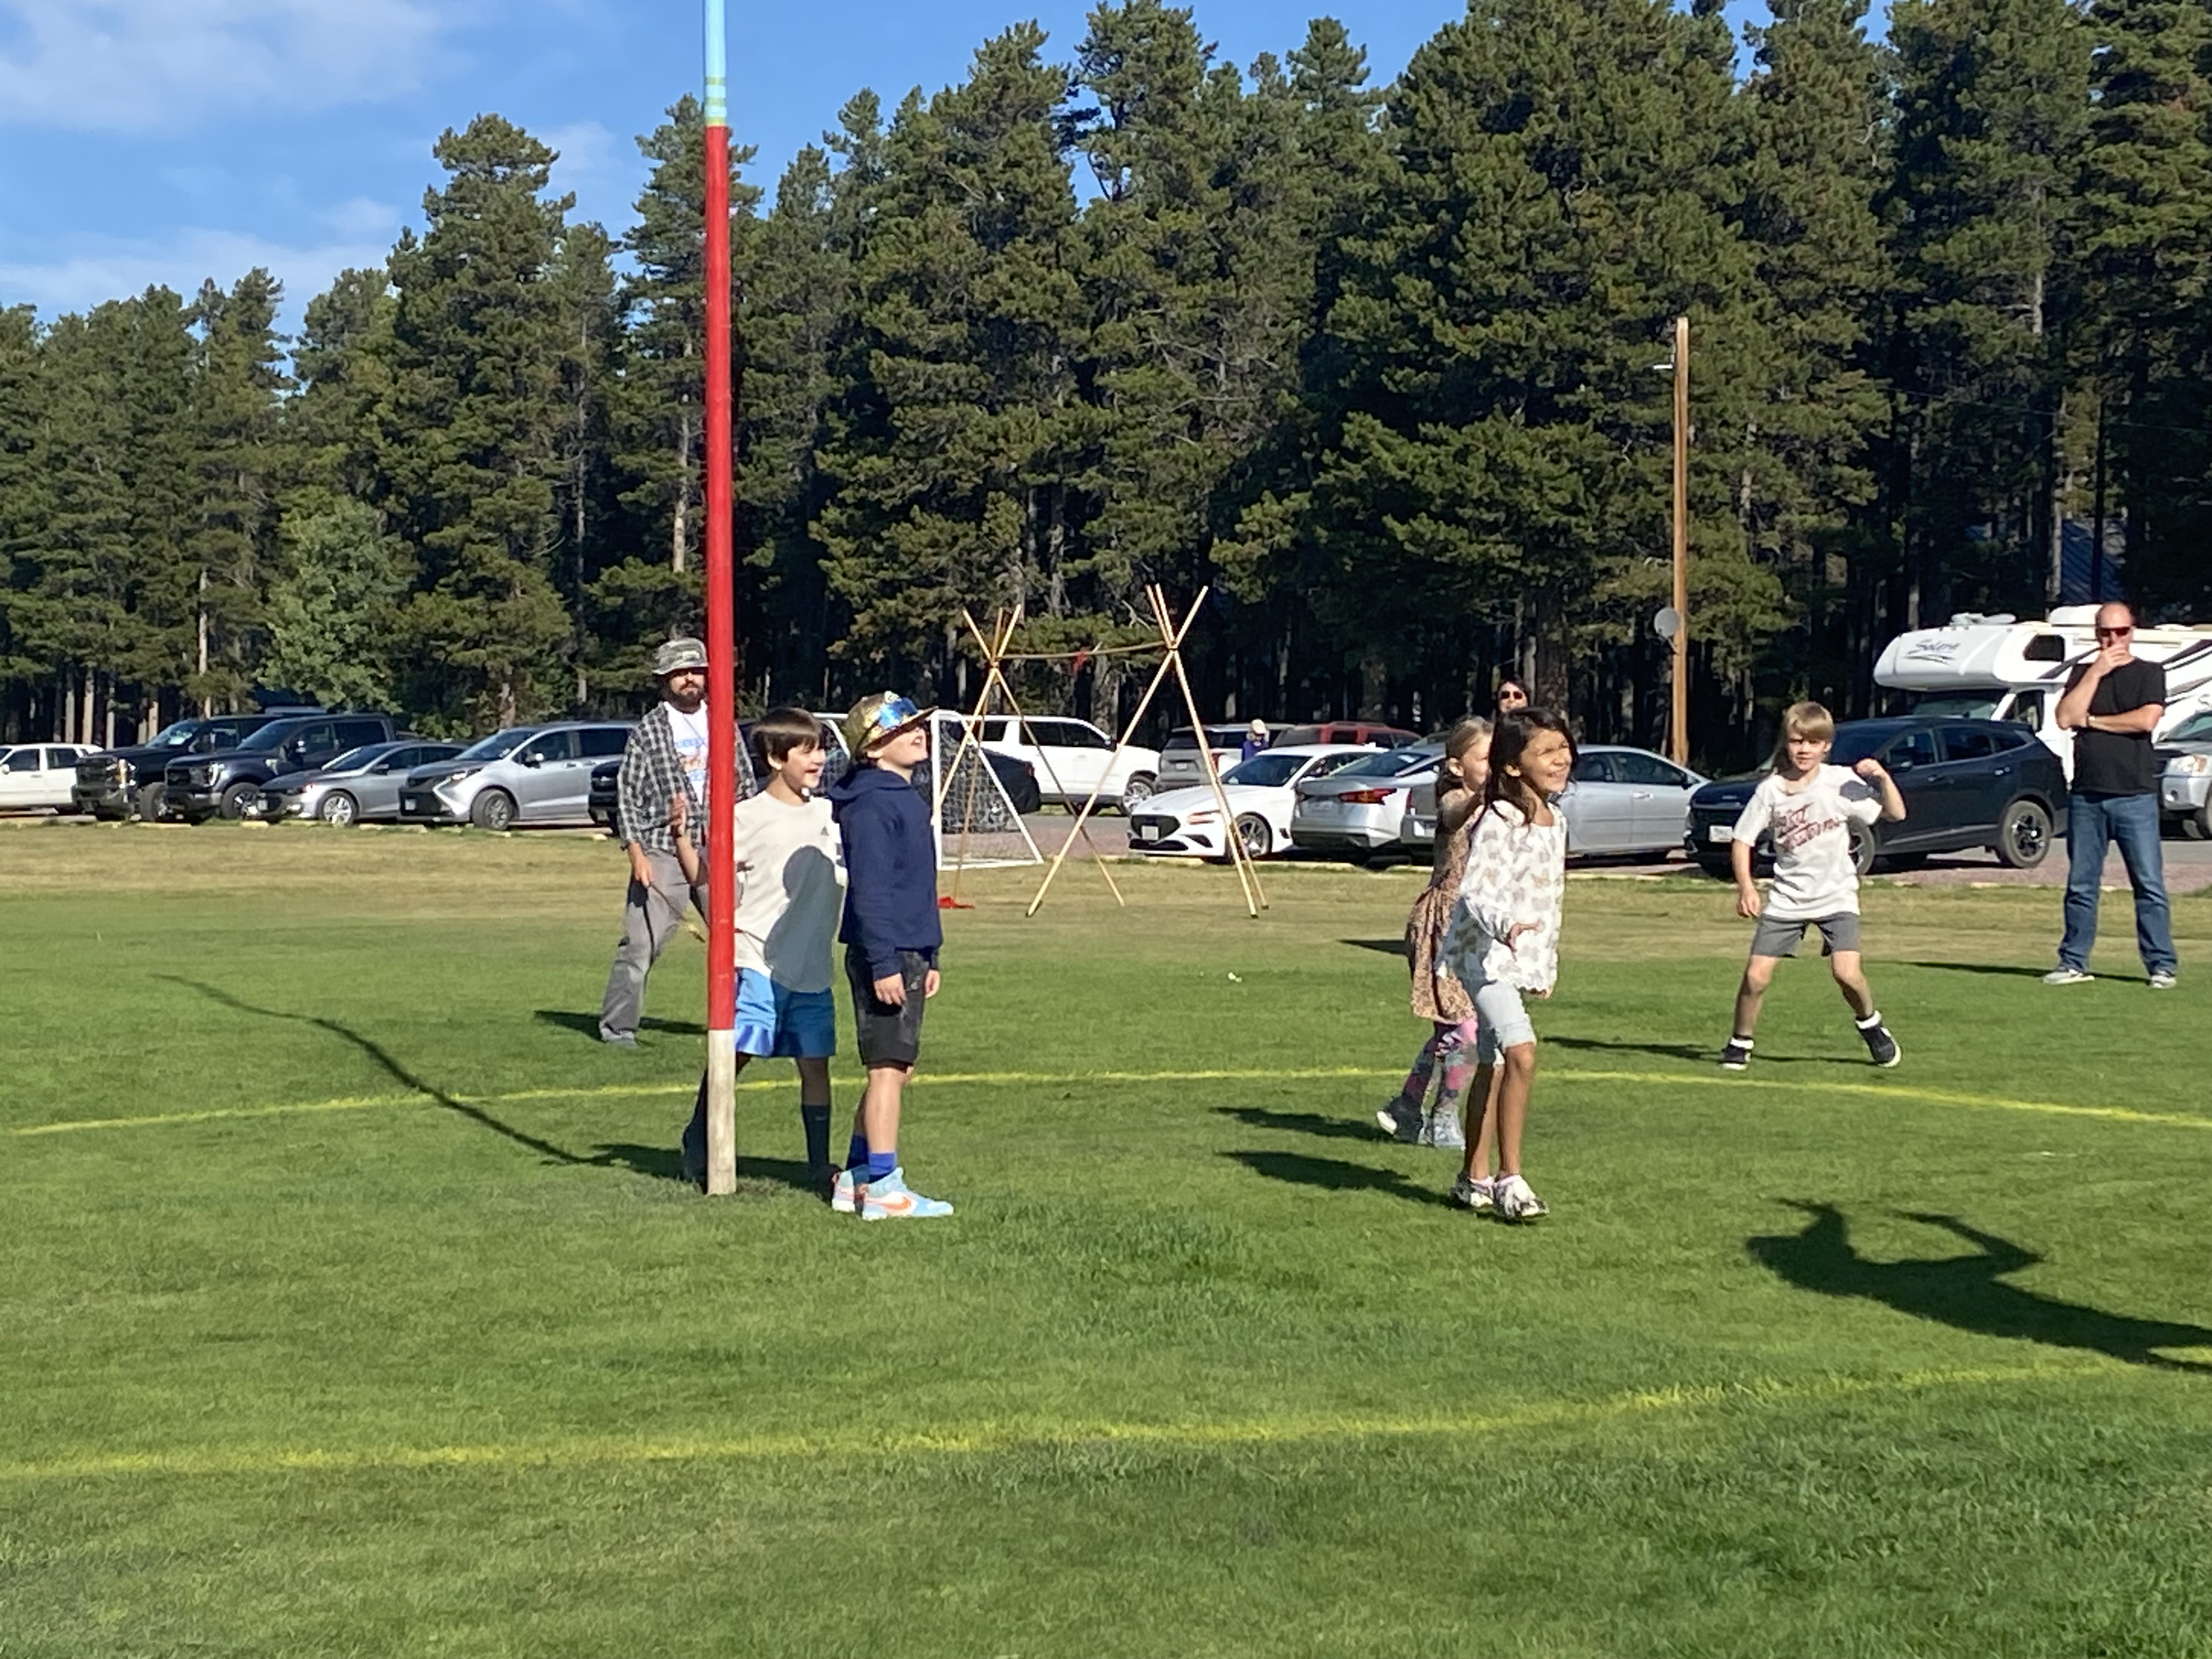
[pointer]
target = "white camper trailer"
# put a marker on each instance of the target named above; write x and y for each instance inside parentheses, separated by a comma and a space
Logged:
(1997, 668)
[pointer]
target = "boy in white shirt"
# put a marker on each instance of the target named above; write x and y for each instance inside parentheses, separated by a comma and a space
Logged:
(790, 872)
(1810, 806)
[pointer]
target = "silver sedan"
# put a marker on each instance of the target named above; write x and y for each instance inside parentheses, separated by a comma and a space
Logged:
(1619, 800)
(360, 787)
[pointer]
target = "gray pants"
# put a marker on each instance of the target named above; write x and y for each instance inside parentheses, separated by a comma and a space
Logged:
(650, 916)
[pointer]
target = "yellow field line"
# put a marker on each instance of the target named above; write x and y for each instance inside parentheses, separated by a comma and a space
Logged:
(1007, 1079)
(989, 1437)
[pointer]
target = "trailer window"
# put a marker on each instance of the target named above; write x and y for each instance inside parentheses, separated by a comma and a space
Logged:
(2045, 647)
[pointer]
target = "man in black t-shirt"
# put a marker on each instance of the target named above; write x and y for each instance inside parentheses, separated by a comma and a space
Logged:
(2112, 706)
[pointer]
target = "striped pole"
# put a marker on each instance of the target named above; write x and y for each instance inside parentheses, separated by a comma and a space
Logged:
(721, 637)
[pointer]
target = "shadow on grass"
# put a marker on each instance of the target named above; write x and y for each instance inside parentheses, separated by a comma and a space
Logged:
(1302, 1123)
(1334, 1175)
(1387, 947)
(391, 1066)
(1967, 1291)
(589, 1024)
(2002, 970)
(667, 1164)
(1707, 1053)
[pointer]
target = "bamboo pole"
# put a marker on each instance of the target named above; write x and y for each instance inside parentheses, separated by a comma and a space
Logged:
(1247, 873)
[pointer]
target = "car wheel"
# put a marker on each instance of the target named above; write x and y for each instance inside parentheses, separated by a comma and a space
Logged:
(339, 807)
(150, 800)
(2023, 835)
(1137, 791)
(492, 809)
(236, 799)
(1865, 849)
(1256, 834)
(2198, 825)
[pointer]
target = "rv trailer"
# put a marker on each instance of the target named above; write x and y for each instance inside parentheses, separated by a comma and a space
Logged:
(2000, 668)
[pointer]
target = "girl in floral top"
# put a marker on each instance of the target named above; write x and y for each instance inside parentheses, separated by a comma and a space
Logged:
(1505, 939)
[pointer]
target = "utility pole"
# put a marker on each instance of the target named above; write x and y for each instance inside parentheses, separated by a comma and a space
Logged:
(1678, 726)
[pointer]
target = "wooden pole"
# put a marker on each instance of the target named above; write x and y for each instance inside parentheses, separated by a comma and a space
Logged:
(1678, 726)
(1247, 873)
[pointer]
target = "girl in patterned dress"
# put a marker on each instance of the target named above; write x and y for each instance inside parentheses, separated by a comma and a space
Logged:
(1505, 941)
(1437, 996)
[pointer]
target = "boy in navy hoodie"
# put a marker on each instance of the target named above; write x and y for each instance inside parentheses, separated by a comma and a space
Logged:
(891, 935)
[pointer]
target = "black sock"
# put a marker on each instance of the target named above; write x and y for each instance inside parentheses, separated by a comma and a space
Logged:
(817, 1121)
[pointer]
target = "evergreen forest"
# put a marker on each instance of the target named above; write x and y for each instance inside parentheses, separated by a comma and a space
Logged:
(1377, 364)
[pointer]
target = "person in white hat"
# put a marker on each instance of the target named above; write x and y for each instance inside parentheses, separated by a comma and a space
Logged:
(666, 756)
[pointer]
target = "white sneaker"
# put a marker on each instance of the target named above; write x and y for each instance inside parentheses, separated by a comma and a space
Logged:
(1401, 1121)
(2064, 976)
(2162, 980)
(1515, 1200)
(1474, 1192)
(844, 1194)
(1440, 1129)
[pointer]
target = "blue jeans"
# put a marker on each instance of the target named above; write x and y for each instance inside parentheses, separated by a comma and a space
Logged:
(2093, 822)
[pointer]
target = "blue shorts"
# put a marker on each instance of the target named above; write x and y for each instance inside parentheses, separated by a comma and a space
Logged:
(776, 1021)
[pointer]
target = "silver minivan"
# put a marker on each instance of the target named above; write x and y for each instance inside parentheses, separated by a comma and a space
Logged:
(525, 775)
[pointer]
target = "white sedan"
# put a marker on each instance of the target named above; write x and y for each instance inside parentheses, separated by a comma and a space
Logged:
(1261, 791)
(33, 774)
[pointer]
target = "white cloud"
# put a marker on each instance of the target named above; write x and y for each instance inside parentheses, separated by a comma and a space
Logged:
(141, 65)
(604, 171)
(117, 270)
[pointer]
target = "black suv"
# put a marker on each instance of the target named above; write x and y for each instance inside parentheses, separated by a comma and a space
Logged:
(117, 782)
(1966, 783)
(226, 783)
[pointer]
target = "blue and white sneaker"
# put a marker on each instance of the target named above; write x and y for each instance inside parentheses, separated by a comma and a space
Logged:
(892, 1199)
(845, 1193)
(1401, 1121)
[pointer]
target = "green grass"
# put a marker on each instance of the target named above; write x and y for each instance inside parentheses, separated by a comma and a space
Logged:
(393, 1333)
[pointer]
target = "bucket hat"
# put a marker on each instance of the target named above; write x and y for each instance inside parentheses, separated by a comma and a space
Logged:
(677, 655)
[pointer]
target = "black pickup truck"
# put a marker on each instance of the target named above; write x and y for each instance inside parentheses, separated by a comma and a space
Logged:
(117, 782)
(227, 782)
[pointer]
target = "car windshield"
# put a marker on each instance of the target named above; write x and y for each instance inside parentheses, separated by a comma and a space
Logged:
(1957, 705)
(499, 745)
(2198, 730)
(1390, 764)
(1267, 771)
(269, 738)
(1222, 737)
(175, 735)
(355, 759)
(1854, 744)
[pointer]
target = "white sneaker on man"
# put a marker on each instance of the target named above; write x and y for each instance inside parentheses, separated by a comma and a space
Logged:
(2064, 975)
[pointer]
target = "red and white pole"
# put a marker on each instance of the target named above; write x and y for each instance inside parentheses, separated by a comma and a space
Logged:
(721, 637)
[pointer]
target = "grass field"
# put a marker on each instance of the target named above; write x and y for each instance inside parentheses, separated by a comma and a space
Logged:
(351, 1303)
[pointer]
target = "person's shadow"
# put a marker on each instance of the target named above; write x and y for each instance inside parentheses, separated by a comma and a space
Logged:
(1968, 1292)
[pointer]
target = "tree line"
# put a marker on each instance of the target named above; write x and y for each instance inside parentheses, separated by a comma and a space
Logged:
(1376, 364)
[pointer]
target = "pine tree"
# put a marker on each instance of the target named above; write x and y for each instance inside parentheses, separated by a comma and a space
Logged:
(332, 615)
(344, 360)
(958, 465)
(1992, 107)
(473, 442)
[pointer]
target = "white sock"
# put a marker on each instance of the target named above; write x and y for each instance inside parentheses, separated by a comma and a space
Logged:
(1870, 1022)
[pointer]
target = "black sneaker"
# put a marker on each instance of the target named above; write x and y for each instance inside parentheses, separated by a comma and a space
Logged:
(1881, 1047)
(1735, 1055)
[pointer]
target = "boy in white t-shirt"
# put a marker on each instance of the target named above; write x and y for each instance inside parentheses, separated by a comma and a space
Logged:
(790, 872)
(1808, 806)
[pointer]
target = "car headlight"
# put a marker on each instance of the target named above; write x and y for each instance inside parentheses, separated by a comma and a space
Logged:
(2189, 766)
(456, 777)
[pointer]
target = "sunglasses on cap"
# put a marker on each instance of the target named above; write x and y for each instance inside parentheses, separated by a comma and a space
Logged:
(897, 712)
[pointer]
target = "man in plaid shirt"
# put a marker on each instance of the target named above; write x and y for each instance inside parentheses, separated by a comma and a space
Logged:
(666, 756)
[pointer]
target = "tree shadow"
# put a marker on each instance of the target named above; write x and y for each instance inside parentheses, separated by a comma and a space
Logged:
(1967, 1291)
(1334, 1175)
(391, 1066)
(1302, 1123)
(1387, 947)
(589, 1024)
(2001, 969)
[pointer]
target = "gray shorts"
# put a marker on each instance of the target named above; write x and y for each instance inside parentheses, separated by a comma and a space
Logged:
(1504, 1021)
(889, 1034)
(1776, 936)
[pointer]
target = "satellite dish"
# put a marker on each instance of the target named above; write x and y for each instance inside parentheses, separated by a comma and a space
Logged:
(1668, 623)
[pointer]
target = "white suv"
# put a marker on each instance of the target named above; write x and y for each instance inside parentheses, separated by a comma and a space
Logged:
(1073, 757)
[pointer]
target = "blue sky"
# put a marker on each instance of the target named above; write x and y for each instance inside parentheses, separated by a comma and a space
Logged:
(166, 141)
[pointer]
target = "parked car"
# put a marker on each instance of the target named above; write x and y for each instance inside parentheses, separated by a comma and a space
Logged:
(1618, 800)
(605, 801)
(2185, 782)
(228, 782)
(360, 787)
(1367, 732)
(524, 774)
(1183, 763)
(118, 783)
(1359, 808)
(1966, 783)
(1262, 792)
(39, 775)
(1073, 757)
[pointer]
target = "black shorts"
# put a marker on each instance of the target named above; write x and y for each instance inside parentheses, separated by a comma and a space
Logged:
(888, 1036)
